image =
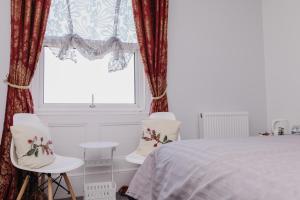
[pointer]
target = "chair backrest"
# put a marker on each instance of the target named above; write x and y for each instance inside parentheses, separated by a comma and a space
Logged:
(22, 119)
(26, 119)
(165, 115)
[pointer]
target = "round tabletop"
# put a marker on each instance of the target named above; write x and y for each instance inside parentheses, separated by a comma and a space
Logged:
(99, 145)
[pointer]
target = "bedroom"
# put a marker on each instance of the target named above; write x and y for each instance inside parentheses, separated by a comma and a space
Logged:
(223, 56)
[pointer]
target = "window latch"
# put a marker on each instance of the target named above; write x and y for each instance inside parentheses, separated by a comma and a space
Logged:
(93, 104)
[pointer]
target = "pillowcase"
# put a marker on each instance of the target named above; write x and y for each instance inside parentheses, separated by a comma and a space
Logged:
(33, 145)
(157, 132)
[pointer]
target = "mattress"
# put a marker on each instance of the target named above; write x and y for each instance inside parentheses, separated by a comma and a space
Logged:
(254, 168)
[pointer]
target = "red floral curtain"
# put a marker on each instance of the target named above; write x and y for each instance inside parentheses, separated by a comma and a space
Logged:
(151, 20)
(28, 25)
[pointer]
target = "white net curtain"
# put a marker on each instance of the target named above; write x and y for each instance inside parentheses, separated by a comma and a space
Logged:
(94, 28)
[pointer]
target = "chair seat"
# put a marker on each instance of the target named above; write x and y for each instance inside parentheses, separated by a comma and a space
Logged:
(135, 158)
(61, 164)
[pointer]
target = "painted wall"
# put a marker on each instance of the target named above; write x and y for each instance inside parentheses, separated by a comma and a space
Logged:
(282, 50)
(216, 60)
(4, 54)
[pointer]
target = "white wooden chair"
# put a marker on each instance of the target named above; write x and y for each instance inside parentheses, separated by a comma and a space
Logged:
(60, 166)
(139, 159)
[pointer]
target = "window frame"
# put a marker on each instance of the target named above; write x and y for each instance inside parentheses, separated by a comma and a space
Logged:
(141, 94)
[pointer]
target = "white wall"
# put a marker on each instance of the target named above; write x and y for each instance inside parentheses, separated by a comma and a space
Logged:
(282, 57)
(216, 60)
(4, 54)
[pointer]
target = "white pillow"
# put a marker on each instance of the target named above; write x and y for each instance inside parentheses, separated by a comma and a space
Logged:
(157, 132)
(33, 145)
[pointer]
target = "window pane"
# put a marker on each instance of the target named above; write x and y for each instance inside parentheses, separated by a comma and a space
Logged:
(68, 82)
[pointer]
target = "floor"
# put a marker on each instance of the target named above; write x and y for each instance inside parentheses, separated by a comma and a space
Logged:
(118, 198)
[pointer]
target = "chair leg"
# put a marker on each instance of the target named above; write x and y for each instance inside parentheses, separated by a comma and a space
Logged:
(41, 181)
(50, 196)
(68, 182)
(23, 188)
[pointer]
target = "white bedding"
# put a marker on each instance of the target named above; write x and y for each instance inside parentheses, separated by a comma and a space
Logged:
(255, 168)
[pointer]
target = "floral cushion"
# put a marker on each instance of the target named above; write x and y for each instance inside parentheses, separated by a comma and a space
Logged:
(157, 132)
(33, 145)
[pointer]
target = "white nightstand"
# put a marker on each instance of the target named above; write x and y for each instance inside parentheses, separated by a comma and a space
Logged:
(99, 190)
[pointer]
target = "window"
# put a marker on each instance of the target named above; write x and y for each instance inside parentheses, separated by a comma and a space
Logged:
(90, 57)
(66, 81)
(68, 84)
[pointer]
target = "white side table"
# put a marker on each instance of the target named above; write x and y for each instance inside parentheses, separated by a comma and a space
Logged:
(98, 163)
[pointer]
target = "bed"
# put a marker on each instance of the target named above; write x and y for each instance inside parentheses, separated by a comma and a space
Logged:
(254, 168)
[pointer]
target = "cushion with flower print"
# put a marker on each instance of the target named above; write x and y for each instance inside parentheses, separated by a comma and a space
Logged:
(157, 132)
(33, 145)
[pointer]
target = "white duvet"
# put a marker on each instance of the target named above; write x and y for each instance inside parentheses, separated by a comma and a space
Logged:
(254, 168)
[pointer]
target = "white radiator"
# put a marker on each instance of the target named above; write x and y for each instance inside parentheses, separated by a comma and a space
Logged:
(227, 124)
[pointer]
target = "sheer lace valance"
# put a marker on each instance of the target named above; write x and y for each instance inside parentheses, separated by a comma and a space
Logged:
(94, 28)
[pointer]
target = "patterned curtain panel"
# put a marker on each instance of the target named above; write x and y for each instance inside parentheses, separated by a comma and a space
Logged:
(28, 25)
(151, 20)
(94, 28)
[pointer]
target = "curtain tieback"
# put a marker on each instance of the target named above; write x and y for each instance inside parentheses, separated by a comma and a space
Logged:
(22, 87)
(161, 96)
